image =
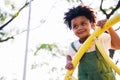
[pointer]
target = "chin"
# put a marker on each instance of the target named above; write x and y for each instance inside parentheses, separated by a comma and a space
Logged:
(83, 37)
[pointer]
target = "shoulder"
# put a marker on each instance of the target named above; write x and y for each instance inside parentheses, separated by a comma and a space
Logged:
(104, 36)
(73, 47)
(105, 39)
(76, 43)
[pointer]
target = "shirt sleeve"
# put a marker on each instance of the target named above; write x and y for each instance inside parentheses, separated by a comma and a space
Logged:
(106, 40)
(71, 51)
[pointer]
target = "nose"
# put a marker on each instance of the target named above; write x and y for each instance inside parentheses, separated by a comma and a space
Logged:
(79, 27)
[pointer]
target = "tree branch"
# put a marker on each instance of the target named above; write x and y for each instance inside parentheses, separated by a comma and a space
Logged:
(117, 28)
(104, 12)
(117, 7)
(7, 39)
(15, 15)
(112, 12)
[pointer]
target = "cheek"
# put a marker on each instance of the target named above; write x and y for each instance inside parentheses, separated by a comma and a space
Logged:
(88, 29)
(75, 32)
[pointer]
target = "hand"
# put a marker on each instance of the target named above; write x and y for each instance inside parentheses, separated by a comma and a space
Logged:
(101, 23)
(69, 66)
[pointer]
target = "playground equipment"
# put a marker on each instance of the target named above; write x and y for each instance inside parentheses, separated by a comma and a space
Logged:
(88, 42)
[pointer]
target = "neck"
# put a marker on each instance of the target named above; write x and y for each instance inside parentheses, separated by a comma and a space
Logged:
(82, 40)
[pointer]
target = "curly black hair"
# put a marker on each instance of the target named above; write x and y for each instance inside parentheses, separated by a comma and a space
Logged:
(80, 10)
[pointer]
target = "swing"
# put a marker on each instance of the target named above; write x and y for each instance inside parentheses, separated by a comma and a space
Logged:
(88, 42)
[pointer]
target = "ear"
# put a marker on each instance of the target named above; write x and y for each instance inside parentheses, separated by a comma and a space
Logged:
(93, 25)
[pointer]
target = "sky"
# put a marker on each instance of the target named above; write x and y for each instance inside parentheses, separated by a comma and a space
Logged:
(51, 31)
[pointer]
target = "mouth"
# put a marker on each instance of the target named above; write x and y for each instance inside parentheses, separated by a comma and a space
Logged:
(81, 31)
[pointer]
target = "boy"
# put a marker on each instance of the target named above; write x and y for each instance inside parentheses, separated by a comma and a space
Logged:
(92, 66)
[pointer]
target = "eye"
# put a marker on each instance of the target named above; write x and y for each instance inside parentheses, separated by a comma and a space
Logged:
(83, 23)
(75, 27)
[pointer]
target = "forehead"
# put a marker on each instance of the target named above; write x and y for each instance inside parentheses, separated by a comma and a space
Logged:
(79, 19)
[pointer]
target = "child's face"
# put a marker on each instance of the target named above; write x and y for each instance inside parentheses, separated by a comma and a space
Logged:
(81, 27)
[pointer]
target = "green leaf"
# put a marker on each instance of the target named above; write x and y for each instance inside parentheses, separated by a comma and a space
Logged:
(2, 33)
(48, 47)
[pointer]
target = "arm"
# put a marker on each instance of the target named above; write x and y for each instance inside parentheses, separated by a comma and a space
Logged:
(115, 39)
(69, 64)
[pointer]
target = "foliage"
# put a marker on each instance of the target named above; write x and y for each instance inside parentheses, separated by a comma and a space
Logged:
(5, 15)
(49, 47)
(2, 16)
(50, 57)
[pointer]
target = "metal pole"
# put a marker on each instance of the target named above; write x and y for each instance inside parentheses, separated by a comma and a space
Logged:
(27, 43)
